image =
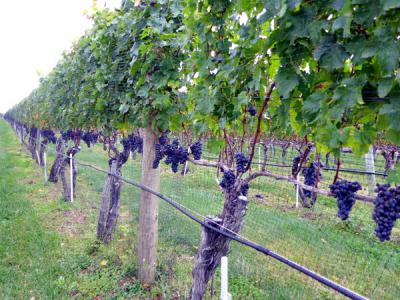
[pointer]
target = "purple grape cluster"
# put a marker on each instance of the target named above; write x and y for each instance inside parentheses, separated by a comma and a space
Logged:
(252, 110)
(174, 153)
(126, 143)
(90, 138)
(386, 211)
(160, 154)
(49, 135)
(228, 183)
(241, 162)
(344, 192)
(163, 139)
(66, 135)
(310, 177)
(228, 180)
(136, 143)
(197, 150)
(133, 143)
(71, 135)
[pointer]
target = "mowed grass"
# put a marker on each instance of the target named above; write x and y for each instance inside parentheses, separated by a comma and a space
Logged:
(29, 253)
(346, 252)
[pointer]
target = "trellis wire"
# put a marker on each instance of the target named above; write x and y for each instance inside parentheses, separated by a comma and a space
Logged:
(281, 187)
(236, 237)
(323, 168)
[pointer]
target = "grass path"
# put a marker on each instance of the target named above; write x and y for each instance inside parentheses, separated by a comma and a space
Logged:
(29, 253)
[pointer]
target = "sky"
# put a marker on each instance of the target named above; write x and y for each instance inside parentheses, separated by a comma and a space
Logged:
(33, 35)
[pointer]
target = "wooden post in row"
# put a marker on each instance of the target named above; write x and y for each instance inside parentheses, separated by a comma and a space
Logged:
(148, 219)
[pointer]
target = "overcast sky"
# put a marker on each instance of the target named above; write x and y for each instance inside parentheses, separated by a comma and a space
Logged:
(33, 35)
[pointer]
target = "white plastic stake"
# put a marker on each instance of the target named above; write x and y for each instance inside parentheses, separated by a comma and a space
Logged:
(370, 166)
(259, 158)
(38, 158)
(45, 166)
(224, 279)
(71, 177)
(185, 169)
(297, 192)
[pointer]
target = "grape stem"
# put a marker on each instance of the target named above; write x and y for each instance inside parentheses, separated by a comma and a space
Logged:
(303, 157)
(338, 163)
(244, 129)
(260, 116)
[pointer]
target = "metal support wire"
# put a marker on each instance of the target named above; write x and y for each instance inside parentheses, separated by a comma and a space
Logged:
(233, 236)
(323, 168)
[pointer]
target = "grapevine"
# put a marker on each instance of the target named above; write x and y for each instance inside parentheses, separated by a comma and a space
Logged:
(136, 143)
(66, 135)
(174, 153)
(49, 135)
(241, 162)
(196, 150)
(386, 211)
(344, 191)
(310, 174)
(90, 138)
(228, 180)
(164, 139)
(252, 110)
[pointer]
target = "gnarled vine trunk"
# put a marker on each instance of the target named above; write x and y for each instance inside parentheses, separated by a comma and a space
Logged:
(109, 211)
(32, 142)
(105, 203)
(213, 245)
(42, 149)
(55, 168)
